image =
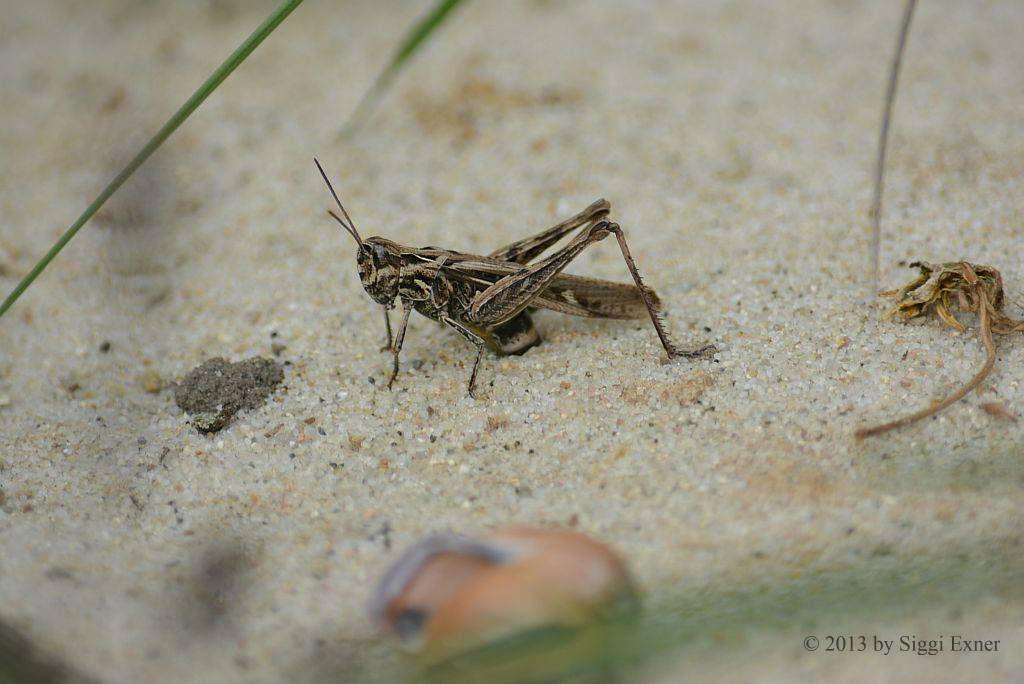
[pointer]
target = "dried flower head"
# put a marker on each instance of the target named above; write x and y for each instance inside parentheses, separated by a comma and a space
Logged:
(971, 288)
(941, 286)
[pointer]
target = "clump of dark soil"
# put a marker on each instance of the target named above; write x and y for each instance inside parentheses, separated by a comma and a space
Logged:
(213, 392)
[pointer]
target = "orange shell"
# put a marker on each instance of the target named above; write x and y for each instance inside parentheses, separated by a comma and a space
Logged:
(449, 593)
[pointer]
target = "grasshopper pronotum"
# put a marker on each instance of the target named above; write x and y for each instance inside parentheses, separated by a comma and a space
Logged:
(487, 299)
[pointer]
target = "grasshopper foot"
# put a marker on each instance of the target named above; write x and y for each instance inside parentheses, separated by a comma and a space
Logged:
(705, 352)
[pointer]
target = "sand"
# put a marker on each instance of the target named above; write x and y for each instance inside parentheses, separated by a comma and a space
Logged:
(735, 143)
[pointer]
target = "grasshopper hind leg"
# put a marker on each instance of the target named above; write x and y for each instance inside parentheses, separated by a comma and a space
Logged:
(514, 293)
(651, 302)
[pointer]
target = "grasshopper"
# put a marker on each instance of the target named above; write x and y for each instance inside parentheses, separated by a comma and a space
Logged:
(488, 299)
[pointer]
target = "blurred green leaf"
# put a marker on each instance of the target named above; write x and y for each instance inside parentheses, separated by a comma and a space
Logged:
(413, 41)
(197, 98)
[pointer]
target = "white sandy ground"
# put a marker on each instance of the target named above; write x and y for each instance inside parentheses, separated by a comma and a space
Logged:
(734, 141)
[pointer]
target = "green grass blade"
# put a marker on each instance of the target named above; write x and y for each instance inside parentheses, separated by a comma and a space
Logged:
(204, 91)
(412, 42)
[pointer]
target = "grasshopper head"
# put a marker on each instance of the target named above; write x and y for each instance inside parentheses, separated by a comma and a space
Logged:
(379, 260)
(380, 266)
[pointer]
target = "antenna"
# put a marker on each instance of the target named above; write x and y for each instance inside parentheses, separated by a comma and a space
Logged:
(350, 227)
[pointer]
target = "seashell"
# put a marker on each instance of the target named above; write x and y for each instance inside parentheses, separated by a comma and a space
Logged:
(449, 593)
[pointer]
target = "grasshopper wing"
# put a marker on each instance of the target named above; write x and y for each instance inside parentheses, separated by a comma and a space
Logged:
(594, 298)
(568, 294)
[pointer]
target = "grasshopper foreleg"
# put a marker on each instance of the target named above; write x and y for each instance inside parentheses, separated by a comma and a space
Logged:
(387, 326)
(396, 349)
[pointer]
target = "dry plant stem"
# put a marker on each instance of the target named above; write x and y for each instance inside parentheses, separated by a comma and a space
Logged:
(883, 140)
(985, 324)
